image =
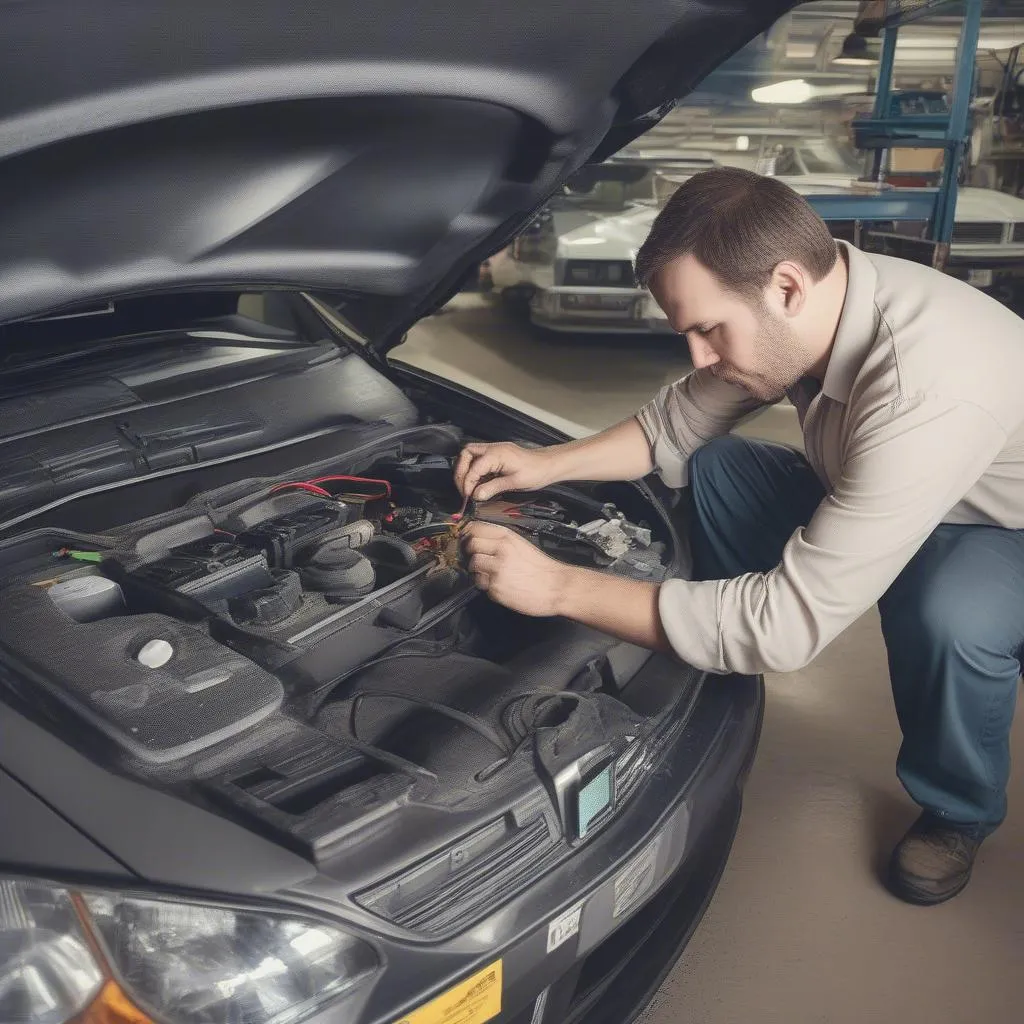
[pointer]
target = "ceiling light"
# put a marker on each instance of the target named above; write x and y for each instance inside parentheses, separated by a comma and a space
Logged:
(857, 52)
(798, 90)
(793, 90)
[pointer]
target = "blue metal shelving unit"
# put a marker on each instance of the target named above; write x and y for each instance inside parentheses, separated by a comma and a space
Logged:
(886, 130)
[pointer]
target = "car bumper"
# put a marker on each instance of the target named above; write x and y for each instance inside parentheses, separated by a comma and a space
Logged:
(612, 982)
(640, 887)
(984, 270)
(596, 310)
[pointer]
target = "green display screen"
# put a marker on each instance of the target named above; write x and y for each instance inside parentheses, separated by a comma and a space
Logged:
(594, 799)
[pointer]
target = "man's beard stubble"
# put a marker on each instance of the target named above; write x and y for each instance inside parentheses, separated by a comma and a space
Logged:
(781, 362)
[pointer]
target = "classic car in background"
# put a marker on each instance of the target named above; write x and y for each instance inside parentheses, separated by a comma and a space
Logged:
(572, 268)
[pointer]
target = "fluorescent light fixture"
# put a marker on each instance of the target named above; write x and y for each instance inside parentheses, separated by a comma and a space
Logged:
(743, 143)
(799, 90)
(793, 90)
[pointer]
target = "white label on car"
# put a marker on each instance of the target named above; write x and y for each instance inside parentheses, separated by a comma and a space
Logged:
(539, 1007)
(636, 879)
(564, 927)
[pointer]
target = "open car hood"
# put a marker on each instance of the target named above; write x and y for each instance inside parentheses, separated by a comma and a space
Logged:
(377, 151)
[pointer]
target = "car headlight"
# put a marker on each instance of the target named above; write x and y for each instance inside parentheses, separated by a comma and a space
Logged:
(113, 958)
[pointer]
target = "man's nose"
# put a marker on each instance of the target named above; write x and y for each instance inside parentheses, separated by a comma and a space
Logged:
(701, 353)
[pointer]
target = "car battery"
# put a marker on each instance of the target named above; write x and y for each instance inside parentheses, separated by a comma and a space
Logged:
(280, 539)
(209, 569)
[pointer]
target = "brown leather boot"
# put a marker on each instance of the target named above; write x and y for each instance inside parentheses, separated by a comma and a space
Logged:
(933, 861)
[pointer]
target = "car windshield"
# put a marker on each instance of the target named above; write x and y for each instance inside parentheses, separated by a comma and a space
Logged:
(665, 185)
(831, 157)
(264, 319)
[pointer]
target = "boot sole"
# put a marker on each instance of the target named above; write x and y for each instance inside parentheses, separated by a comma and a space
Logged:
(899, 885)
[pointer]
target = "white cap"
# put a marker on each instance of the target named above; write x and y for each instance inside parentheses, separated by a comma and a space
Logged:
(155, 654)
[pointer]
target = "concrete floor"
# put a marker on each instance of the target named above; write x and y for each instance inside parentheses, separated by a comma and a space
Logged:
(800, 930)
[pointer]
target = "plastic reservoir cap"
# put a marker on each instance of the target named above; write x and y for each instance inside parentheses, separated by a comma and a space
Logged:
(87, 598)
(155, 654)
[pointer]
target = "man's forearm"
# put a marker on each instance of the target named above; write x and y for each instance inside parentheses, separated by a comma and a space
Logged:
(626, 609)
(621, 452)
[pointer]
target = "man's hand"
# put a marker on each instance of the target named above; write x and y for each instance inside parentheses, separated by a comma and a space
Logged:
(517, 575)
(510, 468)
(513, 572)
(619, 453)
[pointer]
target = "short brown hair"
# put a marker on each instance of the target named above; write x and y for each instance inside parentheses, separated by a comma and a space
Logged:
(740, 225)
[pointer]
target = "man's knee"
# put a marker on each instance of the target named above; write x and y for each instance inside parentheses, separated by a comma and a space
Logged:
(719, 469)
(937, 618)
(944, 615)
(719, 455)
(747, 497)
(716, 480)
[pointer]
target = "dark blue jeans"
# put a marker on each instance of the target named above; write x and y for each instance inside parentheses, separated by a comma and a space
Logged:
(953, 620)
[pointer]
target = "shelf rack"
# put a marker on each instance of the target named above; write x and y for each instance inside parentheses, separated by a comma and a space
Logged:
(886, 129)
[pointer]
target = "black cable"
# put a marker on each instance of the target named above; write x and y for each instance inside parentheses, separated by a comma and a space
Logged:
(514, 715)
(386, 655)
(436, 615)
(393, 760)
(427, 530)
(518, 730)
(461, 717)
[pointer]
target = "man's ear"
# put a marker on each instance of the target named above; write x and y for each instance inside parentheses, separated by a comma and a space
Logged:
(788, 287)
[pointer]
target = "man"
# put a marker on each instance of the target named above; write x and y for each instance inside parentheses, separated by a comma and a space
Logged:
(908, 385)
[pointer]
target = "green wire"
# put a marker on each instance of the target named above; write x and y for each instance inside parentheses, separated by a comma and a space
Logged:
(79, 556)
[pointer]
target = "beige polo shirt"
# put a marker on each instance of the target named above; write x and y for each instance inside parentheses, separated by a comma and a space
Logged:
(919, 421)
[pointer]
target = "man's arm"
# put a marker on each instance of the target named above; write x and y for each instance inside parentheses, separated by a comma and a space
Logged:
(903, 472)
(686, 415)
(663, 435)
(901, 479)
(625, 609)
(519, 576)
(621, 452)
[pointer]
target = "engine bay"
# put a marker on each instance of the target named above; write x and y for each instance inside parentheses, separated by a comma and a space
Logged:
(306, 647)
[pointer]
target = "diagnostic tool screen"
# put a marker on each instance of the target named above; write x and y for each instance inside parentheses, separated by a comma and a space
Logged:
(594, 799)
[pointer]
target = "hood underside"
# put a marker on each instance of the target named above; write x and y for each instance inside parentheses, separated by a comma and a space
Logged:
(376, 151)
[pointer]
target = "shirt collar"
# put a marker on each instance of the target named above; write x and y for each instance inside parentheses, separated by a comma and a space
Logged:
(857, 326)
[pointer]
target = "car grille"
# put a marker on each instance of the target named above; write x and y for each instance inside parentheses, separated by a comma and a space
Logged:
(411, 900)
(599, 273)
(619, 975)
(633, 766)
(982, 231)
(1018, 232)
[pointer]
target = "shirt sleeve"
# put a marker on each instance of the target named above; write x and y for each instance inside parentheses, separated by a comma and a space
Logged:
(685, 415)
(904, 470)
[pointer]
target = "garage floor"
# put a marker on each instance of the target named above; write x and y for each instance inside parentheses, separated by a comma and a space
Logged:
(800, 930)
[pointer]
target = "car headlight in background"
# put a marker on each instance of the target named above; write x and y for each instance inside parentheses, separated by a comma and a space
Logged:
(600, 273)
(536, 243)
(107, 958)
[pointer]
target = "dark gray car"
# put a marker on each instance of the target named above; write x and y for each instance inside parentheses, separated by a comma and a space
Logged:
(266, 755)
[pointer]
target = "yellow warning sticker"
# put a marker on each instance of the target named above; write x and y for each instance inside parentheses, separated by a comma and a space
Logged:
(472, 1001)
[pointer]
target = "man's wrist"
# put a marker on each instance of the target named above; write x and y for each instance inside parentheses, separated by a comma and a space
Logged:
(556, 462)
(572, 589)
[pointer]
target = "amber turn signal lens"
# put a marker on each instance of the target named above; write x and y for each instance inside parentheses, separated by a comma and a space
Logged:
(112, 1006)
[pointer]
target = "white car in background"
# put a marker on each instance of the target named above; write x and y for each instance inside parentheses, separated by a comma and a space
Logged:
(572, 269)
